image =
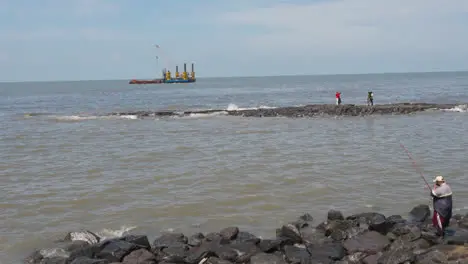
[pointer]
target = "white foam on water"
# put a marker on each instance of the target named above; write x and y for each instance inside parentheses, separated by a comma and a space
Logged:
(113, 233)
(54, 252)
(233, 107)
(84, 236)
(201, 115)
(77, 118)
(459, 108)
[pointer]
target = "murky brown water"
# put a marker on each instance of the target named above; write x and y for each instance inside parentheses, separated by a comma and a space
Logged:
(61, 173)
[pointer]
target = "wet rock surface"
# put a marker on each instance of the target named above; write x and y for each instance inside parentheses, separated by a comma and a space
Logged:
(365, 238)
(305, 111)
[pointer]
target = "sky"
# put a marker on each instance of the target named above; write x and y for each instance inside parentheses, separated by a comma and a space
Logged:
(115, 39)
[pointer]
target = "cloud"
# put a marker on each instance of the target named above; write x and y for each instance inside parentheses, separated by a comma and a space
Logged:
(70, 9)
(64, 34)
(105, 39)
(340, 27)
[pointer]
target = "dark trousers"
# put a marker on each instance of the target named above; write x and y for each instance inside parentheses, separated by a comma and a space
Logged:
(440, 222)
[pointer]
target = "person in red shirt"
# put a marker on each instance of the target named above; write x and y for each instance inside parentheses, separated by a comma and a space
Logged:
(338, 98)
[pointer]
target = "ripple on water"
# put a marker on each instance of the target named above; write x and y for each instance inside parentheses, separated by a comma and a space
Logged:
(208, 175)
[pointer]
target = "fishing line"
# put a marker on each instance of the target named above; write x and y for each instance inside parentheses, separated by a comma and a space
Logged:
(415, 165)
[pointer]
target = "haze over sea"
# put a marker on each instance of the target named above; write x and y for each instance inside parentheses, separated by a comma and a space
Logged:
(63, 167)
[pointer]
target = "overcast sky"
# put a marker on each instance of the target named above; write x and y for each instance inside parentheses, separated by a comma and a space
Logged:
(104, 39)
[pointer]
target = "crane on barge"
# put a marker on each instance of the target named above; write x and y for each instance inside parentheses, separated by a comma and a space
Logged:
(166, 77)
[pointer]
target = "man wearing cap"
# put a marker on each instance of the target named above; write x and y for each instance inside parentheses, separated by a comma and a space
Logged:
(442, 199)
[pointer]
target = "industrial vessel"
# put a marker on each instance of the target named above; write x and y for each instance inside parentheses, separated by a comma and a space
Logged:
(183, 77)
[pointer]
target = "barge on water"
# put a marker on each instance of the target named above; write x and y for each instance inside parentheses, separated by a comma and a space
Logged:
(183, 77)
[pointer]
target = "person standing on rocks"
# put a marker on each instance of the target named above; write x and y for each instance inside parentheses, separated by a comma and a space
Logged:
(338, 98)
(442, 203)
(370, 98)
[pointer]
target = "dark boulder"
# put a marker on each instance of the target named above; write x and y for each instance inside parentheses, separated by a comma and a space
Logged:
(215, 260)
(297, 255)
(140, 241)
(54, 260)
(340, 230)
(372, 259)
(270, 245)
(395, 219)
(355, 258)
(312, 235)
(408, 232)
(229, 233)
(217, 239)
(444, 254)
(327, 253)
(115, 250)
(458, 236)
(196, 239)
(245, 251)
(85, 260)
(172, 253)
(370, 242)
(74, 245)
(89, 251)
(263, 258)
(225, 252)
(196, 254)
(431, 235)
(243, 237)
(322, 226)
(419, 213)
(140, 256)
(289, 232)
(379, 223)
(398, 252)
(334, 215)
(170, 239)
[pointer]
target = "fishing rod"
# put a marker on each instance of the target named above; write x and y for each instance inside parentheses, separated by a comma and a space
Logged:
(415, 165)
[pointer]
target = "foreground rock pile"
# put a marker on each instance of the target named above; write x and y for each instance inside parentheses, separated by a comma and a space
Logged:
(362, 238)
(306, 111)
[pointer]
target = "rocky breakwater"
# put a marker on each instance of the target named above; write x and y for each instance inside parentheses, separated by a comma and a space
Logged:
(342, 110)
(361, 238)
(305, 111)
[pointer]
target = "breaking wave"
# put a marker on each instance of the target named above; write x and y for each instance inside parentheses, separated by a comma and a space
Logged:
(78, 118)
(89, 237)
(459, 108)
(233, 107)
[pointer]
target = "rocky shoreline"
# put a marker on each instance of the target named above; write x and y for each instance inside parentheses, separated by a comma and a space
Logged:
(361, 238)
(306, 111)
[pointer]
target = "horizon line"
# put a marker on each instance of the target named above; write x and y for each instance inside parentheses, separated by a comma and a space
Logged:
(247, 76)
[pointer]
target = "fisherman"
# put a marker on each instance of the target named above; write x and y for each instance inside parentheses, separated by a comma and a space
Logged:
(338, 98)
(442, 203)
(370, 98)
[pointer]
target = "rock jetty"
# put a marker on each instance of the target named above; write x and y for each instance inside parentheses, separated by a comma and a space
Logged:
(365, 238)
(307, 111)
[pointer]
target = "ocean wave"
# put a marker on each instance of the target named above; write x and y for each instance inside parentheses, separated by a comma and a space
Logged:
(234, 107)
(463, 108)
(85, 236)
(78, 118)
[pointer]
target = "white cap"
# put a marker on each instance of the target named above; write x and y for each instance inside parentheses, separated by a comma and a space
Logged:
(439, 179)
